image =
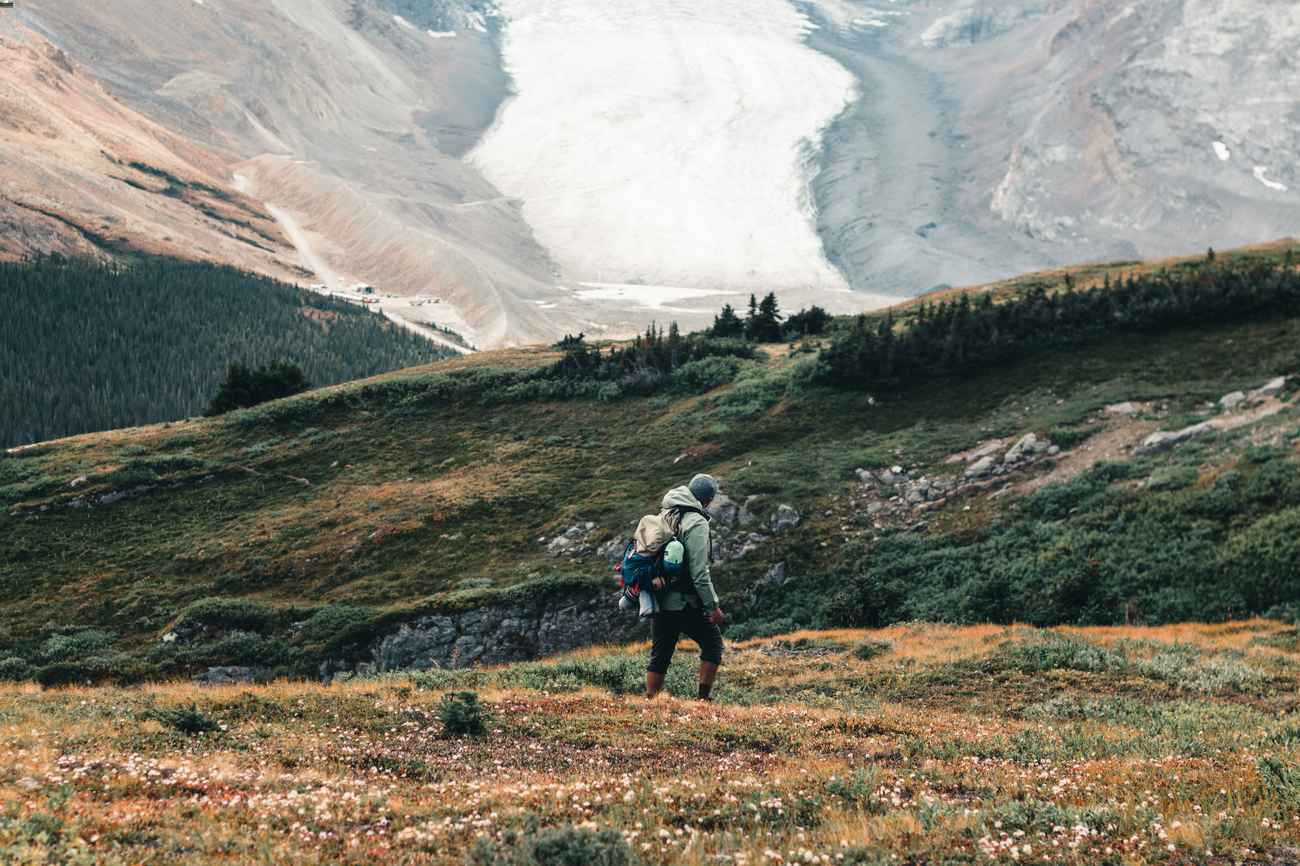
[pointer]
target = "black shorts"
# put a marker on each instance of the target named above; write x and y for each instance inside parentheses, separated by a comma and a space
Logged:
(670, 625)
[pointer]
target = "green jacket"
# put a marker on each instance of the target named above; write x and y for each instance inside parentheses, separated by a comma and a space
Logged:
(694, 536)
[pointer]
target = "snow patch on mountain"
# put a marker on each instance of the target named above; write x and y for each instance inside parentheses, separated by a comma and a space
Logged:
(668, 143)
(1261, 175)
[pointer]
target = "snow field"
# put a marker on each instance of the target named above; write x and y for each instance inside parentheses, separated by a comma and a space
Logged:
(666, 143)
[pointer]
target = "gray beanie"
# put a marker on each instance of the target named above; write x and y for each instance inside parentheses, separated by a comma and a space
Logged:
(703, 488)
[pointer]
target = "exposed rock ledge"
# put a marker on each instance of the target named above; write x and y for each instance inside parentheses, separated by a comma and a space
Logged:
(550, 623)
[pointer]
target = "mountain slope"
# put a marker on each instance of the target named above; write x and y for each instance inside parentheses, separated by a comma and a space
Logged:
(543, 168)
(87, 346)
(81, 173)
(443, 489)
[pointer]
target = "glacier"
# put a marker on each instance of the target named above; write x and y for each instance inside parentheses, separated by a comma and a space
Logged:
(669, 144)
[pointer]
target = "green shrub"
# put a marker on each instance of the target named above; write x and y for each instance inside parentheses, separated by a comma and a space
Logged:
(1052, 651)
(337, 626)
(65, 647)
(1281, 783)
(1070, 437)
(462, 715)
(869, 649)
(15, 670)
(187, 720)
(705, 374)
(116, 668)
(1172, 478)
(230, 613)
(559, 846)
(620, 674)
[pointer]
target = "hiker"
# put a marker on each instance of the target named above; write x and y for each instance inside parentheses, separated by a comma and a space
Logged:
(688, 605)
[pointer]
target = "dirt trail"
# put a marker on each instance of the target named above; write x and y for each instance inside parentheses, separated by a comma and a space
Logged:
(337, 284)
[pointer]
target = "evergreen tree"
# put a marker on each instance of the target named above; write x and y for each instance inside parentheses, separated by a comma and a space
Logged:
(727, 324)
(766, 324)
(245, 387)
(809, 323)
(751, 317)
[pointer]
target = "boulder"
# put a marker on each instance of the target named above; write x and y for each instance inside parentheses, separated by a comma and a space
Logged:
(1168, 439)
(1029, 447)
(1272, 388)
(864, 475)
(785, 518)
(1128, 408)
(227, 676)
(612, 550)
(748, 514)
(724, 511)
(1232, 402)
(775, 576)
(560, 544)
(981, 468)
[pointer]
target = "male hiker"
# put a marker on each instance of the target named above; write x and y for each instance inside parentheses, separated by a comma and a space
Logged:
(688, 605)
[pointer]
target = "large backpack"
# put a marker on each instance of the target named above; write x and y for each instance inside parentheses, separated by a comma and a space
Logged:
(655, 551)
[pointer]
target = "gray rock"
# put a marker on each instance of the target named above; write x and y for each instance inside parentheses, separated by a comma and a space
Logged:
(1168, 439)
(785, 518)
(864, 475)
(775, 576)
(503, 633)
(724, 511)
(612, 550)
(1054, 450)
(560, 544)
(981, 468)
(748, 515)
(227, 676)
(1029, 447)
(1272, 388)
(1128, 408)
(1233, 401)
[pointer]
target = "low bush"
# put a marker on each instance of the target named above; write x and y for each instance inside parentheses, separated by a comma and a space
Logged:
(15, 670)
(870, 649)
(1051, 651)
(187, 720)
(462, 715)
(338, 626)
(116, 668)
(230, 613)
(619, 674)
(559, 846)
(65, 647)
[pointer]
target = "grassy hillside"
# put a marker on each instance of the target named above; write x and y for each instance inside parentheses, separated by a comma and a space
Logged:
(918, 744)
(365, 504)
(91, 346)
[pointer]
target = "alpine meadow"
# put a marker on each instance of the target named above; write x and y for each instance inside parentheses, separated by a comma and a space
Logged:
(1024, 540)
(609, 433)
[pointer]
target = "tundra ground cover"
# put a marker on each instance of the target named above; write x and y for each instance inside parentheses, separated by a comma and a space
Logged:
(938, 744)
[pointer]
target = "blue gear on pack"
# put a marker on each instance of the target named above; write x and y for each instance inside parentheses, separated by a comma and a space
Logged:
(638, 573)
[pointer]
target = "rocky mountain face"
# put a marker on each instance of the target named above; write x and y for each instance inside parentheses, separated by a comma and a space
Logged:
(540, 167)
(1021, 134)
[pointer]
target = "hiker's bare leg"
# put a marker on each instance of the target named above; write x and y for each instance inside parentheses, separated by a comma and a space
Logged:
(708, 673)
(654, 684)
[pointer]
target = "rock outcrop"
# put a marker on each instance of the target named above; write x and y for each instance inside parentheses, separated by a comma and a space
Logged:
(495, 634)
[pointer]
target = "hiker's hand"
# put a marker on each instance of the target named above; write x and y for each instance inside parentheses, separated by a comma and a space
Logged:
(658, 583)
(717, 617)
